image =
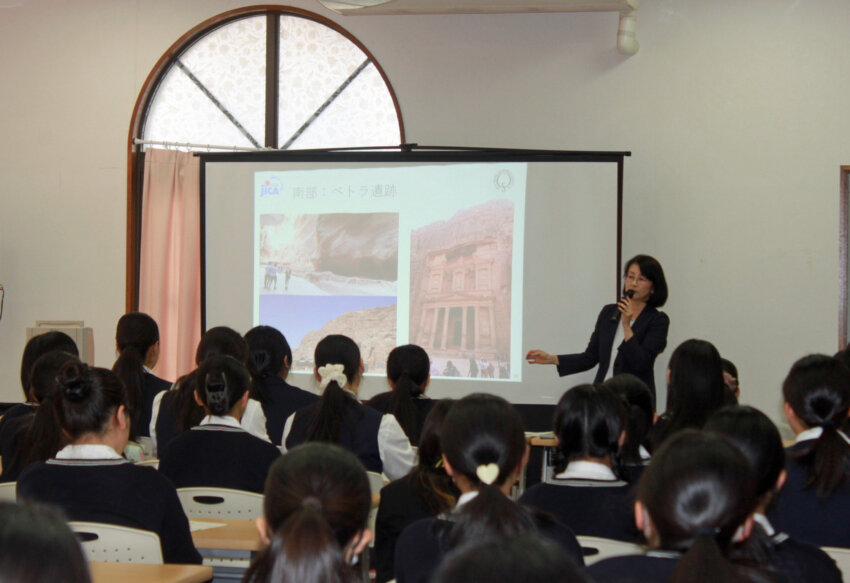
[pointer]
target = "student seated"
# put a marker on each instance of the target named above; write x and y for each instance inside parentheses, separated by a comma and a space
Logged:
(426, 491)
(90, 481)
(137, 341)
(484, 451)
(695, 389)
(218, 452)
(37, 545)
(758, 439)
(693, 500)
(35, 347)
(338, 417)
(317, 502)
(639, 418)
(176, 410)
(525, 558)
(269, 360)
(408, 373)
(587, 493)
(814, 505)
(36, 436)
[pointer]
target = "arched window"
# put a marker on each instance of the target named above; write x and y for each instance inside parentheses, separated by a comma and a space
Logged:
(253, 78)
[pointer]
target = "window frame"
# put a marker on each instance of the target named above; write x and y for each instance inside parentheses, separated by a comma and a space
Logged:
(135, 154)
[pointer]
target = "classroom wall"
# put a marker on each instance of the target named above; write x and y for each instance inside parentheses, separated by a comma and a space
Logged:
(732, 111)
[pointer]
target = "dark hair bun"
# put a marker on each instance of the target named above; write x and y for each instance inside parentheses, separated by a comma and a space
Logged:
(72, 382)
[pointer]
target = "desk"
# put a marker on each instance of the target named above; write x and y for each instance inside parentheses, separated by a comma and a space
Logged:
(235, 535)
(139, 573)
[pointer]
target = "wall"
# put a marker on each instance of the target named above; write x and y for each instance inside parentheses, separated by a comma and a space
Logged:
(732, 110)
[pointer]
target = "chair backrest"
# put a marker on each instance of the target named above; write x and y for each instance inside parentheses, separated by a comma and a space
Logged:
(118, 544)
(7, 492)
(220, 503)
(841, 558)
(596, 548)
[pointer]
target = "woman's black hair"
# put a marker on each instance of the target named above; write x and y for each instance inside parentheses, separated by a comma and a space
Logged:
(651, 269)
(755, 435)
(42, 344)
(268, 353)
(37, 545)
(818, 390)
(408, 367)
(44, 437)
(86, 399)
(637, 400)
(697, 491)
(588, 422)
(220, 340)
(429, 481)
(135, 334)
(222, 381)
(330, 417)
(695, 391)
(317, 501)
(481, 432)
(527, 558)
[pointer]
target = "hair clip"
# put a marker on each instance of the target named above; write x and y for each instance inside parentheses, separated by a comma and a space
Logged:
(487, 473)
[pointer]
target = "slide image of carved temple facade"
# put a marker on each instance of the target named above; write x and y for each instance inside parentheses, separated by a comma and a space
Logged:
(460, 286)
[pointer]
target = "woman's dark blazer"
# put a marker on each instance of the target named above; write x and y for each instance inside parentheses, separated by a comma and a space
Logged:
(635, 356)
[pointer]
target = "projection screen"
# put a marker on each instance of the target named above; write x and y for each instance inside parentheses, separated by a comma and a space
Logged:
(478, 256)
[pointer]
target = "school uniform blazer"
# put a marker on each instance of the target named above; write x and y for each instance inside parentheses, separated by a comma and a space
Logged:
(218, 455)
(399, 508)
(423, 405)
(656, 567)
(798, 511)
(152, 386)
(587, 507)
(282, 400)
(800, 561)
(636, 355)
(113, 491)
(12, 435)
(422, 545)
(376, 439)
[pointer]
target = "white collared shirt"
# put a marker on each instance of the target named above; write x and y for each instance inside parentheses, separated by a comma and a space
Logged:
(587, 470)
(762, 521)
(465, 497)
(816, 432)
(221, 420)
(87, 451)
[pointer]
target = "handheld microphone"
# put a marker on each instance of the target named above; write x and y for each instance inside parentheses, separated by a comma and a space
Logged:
(628, 294)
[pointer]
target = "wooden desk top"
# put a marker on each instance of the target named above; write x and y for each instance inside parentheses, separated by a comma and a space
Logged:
(537, 441)
(235, 535)
(138, 573)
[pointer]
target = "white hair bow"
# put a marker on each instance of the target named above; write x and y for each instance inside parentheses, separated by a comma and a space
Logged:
(332, 372)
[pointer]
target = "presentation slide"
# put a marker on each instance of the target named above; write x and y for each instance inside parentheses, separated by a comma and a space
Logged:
(429, 255)
(477, 262)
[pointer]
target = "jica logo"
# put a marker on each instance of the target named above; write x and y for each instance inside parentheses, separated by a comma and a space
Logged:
(270, 187)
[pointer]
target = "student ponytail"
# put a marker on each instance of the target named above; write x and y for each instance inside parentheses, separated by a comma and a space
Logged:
(268, 353)
(86, 399)
(220, 340)
(818, 390)
(135, 334)
(223, 381)
(483, 440)
(337, 360)
(429, 481)
(698, 490)
(43, 437)
(316, 506)
(408, 367)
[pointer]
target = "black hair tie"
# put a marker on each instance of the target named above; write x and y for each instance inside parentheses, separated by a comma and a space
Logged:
(705, 531)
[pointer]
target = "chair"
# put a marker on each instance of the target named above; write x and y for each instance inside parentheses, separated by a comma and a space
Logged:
(204, 502)
(7, 492)
(841, 558)
(118, 544)
(596, 548)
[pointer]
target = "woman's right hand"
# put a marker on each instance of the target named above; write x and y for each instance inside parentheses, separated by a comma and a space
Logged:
(540, 357)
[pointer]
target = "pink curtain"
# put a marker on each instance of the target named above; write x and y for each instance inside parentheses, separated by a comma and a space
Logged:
(170, 278)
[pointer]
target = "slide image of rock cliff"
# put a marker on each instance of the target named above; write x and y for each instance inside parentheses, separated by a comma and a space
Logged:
(460, 291)
(329, 254)
(304, 320)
